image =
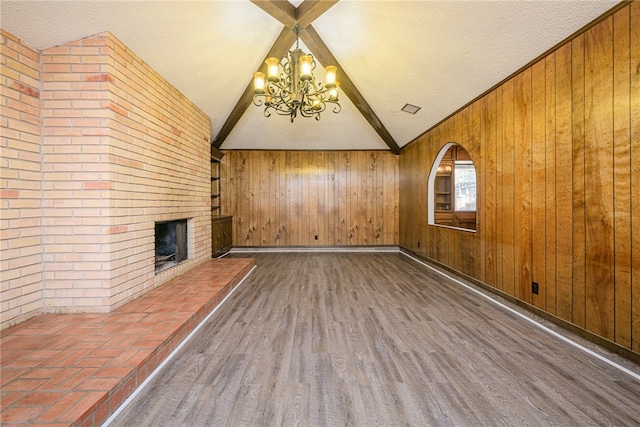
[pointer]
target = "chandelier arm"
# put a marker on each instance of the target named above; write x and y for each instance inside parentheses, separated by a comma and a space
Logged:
(311, 113)
(285, 113)
(257, 101)
(280, 96)
(282, 110)
(311, 110)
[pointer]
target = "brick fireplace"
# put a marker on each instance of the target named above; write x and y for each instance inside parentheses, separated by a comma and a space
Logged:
(100, 148)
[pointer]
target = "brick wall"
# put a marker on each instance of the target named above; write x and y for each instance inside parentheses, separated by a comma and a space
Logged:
(120, 149)
(20, 181)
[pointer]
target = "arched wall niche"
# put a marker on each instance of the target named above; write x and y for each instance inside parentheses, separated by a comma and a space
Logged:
(452, 189)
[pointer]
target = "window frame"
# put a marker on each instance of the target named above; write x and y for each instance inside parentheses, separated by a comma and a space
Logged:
(457, 163)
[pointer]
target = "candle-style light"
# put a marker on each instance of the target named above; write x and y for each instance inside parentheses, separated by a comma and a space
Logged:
(258, 83)
(273, 71)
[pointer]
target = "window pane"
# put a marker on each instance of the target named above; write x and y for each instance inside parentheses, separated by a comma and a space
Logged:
(465, 182)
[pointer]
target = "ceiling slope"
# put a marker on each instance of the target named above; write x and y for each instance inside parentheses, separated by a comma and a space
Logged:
(438, 55)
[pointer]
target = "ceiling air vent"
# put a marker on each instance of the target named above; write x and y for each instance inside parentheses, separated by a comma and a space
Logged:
(411, 109)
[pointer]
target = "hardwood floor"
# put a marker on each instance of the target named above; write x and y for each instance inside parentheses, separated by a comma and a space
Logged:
(375, 339)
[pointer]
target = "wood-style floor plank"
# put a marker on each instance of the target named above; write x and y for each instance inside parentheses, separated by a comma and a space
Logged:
(354, 339)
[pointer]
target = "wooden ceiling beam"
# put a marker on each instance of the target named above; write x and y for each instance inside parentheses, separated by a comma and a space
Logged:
(289, 16)
(315, 44)
(310, 10)
(282, 44)
(282, 10)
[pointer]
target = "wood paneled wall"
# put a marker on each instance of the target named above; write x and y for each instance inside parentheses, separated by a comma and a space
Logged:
(557, 153)
(286, 198)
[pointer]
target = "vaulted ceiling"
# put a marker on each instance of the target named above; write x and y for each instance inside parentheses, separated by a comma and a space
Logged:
(437, 55)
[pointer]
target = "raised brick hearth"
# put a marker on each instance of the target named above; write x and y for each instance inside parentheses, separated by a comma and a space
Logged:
(76, 369)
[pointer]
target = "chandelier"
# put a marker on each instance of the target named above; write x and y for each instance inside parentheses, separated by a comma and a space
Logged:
(291, 88)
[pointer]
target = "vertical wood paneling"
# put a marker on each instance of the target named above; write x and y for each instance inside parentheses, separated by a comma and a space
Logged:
(500, 191)
(352, 200)
(321, 183)
(282, 201)
(331, 165)
(343, 168)
(466, 252)
(550, 184)
(393, 167)
(370, 197)
(491, 188)
(563, 186)
(426, 235)
(443, 235)
(387, 200)
(404, 175)
(345, 198)
(378, 194)
(243, 220)
(293, 175)
(599, 172)
(477, 154)
(254, 205)
(483, 202)
(522, 185)
(634, 103)
(578, 162)
(229, 201)
(273, 201)
(558, 167)
(508, 189)
(622, 176)
(263, 199)
(366, 202)
(538, 173)
(321, 180)
(308, 189)
(454, 133)
(312, 188)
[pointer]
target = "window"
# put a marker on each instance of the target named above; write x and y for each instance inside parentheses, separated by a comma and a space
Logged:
(465, 186)
(452, 189)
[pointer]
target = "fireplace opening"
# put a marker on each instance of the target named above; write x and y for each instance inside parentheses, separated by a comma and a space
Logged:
(171, 244)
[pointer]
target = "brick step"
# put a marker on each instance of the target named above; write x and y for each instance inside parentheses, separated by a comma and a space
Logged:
(76, 369)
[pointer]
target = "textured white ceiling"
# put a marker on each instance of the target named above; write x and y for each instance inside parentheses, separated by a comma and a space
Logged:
(435, 54)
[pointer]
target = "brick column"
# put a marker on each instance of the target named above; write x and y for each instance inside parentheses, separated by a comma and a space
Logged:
(122, 149)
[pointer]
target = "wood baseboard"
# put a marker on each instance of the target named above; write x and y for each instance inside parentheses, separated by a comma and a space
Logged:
(245, 249)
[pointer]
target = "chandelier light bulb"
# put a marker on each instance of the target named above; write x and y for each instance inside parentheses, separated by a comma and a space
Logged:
(258, 83)
(272, 69)
(306, 66)
(330, 77)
